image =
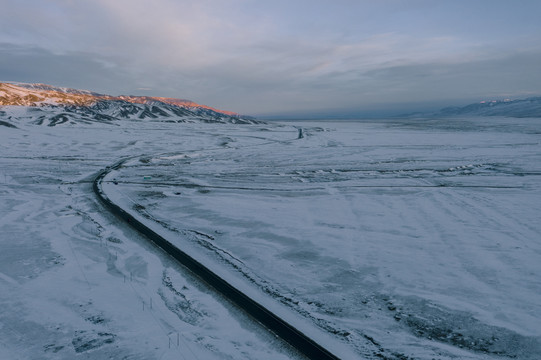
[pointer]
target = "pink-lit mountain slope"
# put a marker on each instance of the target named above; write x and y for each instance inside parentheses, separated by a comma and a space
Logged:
(45, 104)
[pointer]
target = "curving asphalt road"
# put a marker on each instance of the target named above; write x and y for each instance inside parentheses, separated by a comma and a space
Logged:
(280, 327)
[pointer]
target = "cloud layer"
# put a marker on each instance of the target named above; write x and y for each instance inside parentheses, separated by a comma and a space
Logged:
(278, 57)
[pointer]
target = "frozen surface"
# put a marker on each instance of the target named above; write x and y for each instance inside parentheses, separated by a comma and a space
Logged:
(76, 283)
(403, 239)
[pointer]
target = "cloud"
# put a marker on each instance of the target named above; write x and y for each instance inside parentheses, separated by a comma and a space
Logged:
(75, 69)
(255, 57)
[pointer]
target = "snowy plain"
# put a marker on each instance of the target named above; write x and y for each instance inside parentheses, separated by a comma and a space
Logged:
(400, 239)
(77, 283)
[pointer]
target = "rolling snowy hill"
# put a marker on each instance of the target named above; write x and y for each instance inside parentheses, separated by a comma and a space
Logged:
(521, 108)
(47, 105)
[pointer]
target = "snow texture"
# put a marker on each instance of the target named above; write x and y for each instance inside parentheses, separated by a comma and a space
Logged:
(398, 239)
(74, 282)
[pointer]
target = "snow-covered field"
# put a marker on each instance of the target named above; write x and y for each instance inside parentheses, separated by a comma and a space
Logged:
(399, 239)
(76, 283)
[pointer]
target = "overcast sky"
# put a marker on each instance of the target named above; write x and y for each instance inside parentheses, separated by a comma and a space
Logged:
(280, 56)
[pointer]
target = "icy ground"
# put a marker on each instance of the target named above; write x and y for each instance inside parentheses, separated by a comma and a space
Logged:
(417, 239)
(401, 239)
(77, 284)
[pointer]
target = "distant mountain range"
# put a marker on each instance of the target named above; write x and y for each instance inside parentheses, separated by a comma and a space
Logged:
(49, 105)
(530, 107)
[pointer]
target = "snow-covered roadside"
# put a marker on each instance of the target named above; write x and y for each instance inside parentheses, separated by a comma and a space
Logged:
(108, 188)
(75, 282)
(415, 239)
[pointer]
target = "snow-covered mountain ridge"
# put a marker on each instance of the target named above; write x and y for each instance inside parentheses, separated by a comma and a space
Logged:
(521, 108)
(45, 104)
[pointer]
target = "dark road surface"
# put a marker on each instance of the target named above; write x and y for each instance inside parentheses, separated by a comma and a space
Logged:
(280, 327)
